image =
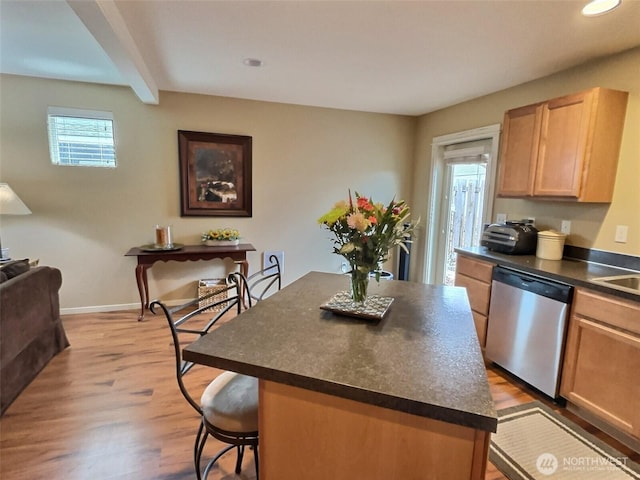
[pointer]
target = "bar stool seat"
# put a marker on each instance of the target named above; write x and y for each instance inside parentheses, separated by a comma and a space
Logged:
(230, 402)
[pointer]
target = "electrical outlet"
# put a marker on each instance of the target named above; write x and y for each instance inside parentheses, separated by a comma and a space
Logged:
(566, 227)
(501, 217)
(266, 262)
(621, 233)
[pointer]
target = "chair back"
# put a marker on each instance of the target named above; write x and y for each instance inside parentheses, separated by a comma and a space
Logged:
(186, 319)
(260, 284)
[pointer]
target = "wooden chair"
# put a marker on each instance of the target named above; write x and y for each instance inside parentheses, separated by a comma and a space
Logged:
(228, 407)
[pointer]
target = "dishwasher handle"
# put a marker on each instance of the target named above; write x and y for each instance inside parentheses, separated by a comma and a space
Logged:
(531, 283)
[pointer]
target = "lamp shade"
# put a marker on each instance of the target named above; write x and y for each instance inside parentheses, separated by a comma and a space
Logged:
(10, 203)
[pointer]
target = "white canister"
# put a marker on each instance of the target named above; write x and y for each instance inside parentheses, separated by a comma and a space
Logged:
(550, 245)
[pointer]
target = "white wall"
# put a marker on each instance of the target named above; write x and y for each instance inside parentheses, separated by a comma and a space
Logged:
(85, 219)
(304, 159)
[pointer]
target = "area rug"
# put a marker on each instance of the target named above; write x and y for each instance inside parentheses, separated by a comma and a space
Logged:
(534, 442)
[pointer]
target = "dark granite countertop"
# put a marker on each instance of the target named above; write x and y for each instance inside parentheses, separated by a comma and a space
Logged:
(568, 270)
(422, 358)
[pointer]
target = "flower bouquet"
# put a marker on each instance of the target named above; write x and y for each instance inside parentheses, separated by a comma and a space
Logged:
(364, 233)
(221, 237)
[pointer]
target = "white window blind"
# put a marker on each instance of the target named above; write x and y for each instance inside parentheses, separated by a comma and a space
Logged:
(81, 137)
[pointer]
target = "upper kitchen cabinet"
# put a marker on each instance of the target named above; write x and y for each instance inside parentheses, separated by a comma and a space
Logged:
(521, 134)
(563, 149)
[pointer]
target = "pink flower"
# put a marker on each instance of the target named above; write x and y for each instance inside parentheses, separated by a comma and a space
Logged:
(358, 222)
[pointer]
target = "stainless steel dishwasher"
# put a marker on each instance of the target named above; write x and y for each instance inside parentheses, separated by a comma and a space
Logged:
(527, 327)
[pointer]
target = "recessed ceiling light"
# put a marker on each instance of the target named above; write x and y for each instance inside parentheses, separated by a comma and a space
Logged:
(598, 7)
(253, 62)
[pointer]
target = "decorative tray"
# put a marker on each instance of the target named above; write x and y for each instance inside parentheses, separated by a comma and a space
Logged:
(374, 307)
(152, 248)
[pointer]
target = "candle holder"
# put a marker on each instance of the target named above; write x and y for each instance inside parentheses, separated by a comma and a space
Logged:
(163, 237)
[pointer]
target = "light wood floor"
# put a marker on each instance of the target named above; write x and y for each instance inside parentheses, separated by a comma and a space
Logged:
(109, 408)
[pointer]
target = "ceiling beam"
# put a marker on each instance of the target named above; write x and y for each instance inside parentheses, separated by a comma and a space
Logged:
(104, 21)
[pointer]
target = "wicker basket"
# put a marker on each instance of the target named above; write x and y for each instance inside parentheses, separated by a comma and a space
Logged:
(212, 285)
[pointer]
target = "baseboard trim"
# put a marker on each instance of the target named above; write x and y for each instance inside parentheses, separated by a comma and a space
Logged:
(115, 308)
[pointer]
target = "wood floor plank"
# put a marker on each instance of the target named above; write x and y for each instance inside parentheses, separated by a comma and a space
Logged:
(109, 408)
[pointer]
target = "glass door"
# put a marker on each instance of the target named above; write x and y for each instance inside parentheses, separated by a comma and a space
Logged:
(462, 177)
(462, 220)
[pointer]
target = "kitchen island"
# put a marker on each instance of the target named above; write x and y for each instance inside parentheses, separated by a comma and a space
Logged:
(340, 397)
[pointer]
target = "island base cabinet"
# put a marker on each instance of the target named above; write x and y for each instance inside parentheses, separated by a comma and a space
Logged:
(315, 436)
(602, 360)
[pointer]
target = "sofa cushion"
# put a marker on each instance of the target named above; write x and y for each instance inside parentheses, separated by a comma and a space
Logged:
(15, 268)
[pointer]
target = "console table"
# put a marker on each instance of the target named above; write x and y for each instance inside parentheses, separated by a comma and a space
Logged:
(190, 253)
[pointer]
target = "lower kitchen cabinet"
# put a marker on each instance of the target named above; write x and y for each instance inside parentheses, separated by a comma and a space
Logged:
(602, 360)
(475, 276)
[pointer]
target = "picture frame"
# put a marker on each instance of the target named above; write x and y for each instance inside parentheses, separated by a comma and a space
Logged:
(215, 174)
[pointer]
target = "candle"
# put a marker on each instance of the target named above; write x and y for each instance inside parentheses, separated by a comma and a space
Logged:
(163, 237)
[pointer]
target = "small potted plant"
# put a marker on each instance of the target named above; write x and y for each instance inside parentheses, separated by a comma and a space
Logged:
(221, 237)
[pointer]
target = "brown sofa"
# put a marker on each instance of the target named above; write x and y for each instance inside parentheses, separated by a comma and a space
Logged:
(31, 332)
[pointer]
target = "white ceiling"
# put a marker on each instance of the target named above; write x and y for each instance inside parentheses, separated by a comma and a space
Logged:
(403, 57)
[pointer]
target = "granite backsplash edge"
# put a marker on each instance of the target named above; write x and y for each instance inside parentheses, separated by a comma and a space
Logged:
(612, 259)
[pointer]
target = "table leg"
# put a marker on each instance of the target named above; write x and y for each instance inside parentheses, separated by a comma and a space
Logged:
(244, 267)
(244, 270)
(143, 289)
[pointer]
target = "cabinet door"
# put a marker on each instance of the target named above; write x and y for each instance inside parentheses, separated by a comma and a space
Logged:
(563, 143)
(521, 132)
(479, 293)
(604, 379)
(475, 276)
(481, 323)
(474, 268)
(602, 360)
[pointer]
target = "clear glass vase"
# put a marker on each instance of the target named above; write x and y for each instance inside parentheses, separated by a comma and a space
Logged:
(359, 285)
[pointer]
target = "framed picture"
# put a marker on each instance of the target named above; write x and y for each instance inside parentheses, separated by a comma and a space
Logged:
(215, 174)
